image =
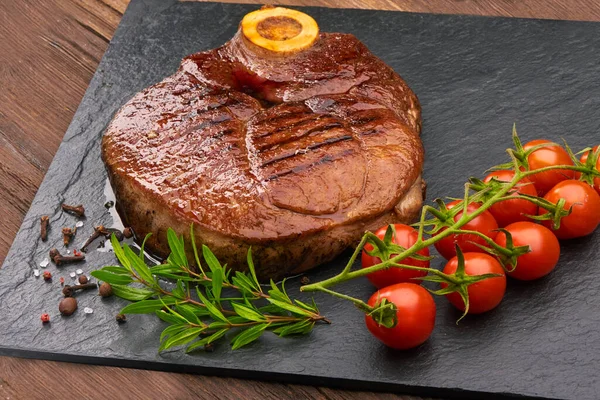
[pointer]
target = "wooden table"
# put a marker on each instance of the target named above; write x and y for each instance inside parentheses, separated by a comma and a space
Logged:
(49, 50)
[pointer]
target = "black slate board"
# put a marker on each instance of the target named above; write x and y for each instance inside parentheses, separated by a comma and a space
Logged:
(475, 76)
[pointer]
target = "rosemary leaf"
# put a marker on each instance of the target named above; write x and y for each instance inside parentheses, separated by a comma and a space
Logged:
(252, 270)
(247, 312)
(138, 265)
(131, 293)
(148, 306)
(187, 311)
(211, 260)
(172, 330)
(248, 336)
(170, 318)
(211, 308)
(176, 245)
(115, 269)
(207, 340)
(181, 338)
(112, 278)
(301, 327)
(119, 252)
(290, 307)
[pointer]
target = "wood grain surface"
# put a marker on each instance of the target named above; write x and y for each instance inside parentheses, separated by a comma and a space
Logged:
(49, 50)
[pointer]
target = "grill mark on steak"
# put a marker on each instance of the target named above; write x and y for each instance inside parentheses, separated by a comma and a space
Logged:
(313, 131)
(325, 159)
(305, 150)
(283, 128)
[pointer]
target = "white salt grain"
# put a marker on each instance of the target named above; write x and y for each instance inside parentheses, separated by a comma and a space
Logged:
(79, 271)
(79, 224)
(88, 310)
(72, 275)
(36, 272)
(44, 263)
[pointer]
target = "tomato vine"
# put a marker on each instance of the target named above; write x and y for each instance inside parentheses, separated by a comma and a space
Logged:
(439, 223)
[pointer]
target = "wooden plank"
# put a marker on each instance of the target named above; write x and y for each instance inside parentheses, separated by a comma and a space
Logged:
(49, 51)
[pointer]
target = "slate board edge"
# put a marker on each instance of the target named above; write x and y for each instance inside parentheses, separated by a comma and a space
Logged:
(75, 358)
(247, 374)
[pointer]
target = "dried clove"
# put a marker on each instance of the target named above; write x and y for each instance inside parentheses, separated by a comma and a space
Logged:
(67, 306)
(68, 291)
(101, 230)
(59, 259)
(68, 234)
(44, 223)
(121, 318)
(75, 210)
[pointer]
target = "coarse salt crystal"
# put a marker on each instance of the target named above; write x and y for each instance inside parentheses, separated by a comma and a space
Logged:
(68, 251)
(44, 263)
(36, 272)
(79, 271)
(88, 310)
(79, 224)
(72, 275)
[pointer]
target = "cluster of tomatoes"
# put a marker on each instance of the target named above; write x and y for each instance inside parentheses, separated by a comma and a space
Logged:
(415, 307)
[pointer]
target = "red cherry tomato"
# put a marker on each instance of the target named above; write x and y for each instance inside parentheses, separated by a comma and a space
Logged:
(483, 295)
(405, 237)
(584, 218)
(415, 311)
(543, 245)
(484, 223)
(546, 157)
(508, 211)
(583, 159)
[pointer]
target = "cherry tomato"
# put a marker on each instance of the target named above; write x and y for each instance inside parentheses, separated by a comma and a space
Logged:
(483, 295)
(546, 157)
(544, 250)
(484, 223)
(405, 237)
(508, 211)
(584, 218)
(415, 311)
(583, 159)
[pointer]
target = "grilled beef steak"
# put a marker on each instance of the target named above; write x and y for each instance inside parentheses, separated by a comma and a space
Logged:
(294, 154)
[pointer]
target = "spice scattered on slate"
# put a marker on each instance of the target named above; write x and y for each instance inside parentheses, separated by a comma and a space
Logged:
(47, 275)
(68, 234)
(44, 263)
(83, 279)
(45, 318)
(128, 233)
(78, 210)
(121, 318)
(36, 272)
(79, 224)
(79, 272)
(73, 275)
(67, 306)
(44, 223)
(105, 290)
(88, 310)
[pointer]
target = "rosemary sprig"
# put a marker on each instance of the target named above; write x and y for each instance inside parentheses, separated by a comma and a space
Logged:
(206, 304)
